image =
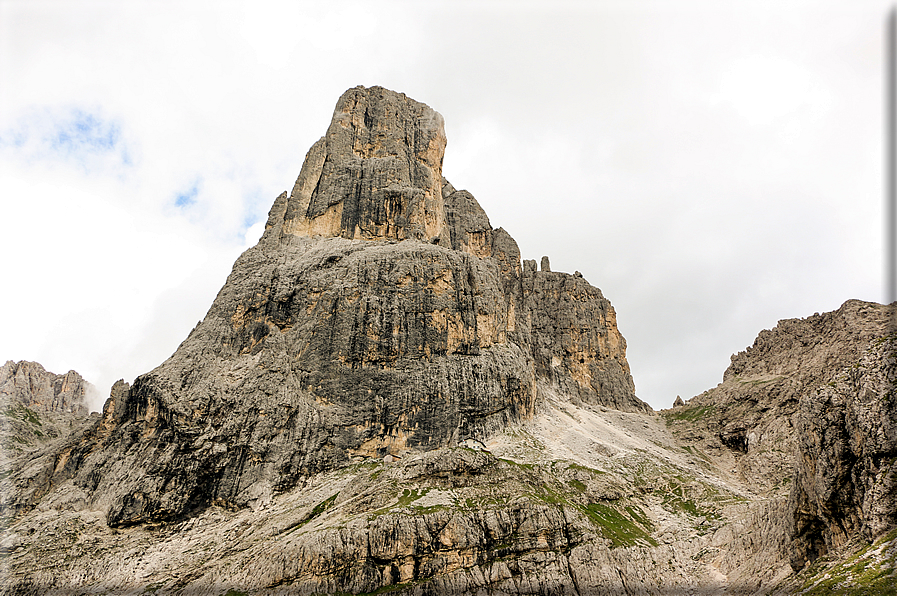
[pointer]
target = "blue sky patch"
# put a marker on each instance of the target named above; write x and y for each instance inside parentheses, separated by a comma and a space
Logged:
(250, 219)
(187, 197)
(84, 132)
(71, 134)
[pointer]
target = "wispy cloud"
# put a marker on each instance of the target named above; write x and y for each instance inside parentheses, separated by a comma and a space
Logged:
(72, 135)
(187, 197)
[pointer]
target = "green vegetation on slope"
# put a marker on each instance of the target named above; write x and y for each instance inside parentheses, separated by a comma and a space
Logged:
(870, 572)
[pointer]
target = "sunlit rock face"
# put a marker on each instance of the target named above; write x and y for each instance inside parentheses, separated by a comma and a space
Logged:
(376, 174)
(379, 313)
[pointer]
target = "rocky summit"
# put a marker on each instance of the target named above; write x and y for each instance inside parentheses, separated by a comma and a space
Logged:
(37, 408)
(384, 397)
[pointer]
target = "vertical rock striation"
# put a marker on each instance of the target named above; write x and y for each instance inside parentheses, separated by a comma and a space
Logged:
(376, 174)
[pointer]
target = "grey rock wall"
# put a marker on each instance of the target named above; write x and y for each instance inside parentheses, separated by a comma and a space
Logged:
(750, 418)
(377, 173)
(806, 417)
(845, 483)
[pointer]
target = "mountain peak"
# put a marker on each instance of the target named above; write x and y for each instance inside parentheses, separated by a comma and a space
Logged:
(376, 173)
(334, 341)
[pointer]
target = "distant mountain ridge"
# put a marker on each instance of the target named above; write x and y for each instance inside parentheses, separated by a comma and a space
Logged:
(28, 384)
(37, 409)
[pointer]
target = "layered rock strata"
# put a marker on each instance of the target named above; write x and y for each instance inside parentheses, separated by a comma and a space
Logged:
(379, 313)
(448, 521)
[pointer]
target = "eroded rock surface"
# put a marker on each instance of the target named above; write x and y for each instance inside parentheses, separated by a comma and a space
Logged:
(376, 174)
(845, 483)
(37, 407)
(309, 436)
(749, 420)
(804, 421)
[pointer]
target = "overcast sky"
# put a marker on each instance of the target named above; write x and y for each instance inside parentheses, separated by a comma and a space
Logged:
(712, 166)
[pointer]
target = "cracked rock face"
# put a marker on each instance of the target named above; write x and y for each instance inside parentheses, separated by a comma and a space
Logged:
(385, 397)
(37, 409)
(807, 416)
(379, 314)
(376, 174)
(846, 466)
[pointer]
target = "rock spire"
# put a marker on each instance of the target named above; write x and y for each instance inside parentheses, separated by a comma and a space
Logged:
(376, 174)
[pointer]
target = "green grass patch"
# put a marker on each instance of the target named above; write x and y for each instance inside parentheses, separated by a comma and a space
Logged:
(584, 469)
(31, 417)
(638, 515)
(683, 505)
(550, 496)
(411, 495)
(577, 485)
(691, 414)
(616, 527)
(872, 571)
(315, 512)
(517, 463)
(321, 507)
(407, 497)
(22, 413)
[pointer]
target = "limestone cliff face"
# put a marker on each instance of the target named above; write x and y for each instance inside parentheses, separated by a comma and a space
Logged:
(845, 483)
(806, 418)
(574, 338)
(28, 384)
(38, 409)
(377, 173)
(379, 313)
